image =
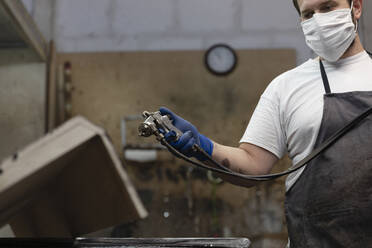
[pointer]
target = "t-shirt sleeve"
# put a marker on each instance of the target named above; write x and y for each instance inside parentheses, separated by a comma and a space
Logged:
(265, 128)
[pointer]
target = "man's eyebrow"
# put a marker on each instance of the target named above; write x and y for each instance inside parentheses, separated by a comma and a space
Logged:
(328, 2)
(305, 11)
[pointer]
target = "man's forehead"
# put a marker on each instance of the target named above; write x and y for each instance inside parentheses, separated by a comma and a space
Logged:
(309, 4)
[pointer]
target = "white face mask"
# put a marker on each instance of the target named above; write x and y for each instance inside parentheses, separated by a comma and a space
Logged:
(330, 34)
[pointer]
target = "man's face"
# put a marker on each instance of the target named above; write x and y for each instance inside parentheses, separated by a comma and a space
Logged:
(309, 7)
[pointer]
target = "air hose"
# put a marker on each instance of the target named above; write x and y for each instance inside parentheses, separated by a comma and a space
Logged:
(221, 169)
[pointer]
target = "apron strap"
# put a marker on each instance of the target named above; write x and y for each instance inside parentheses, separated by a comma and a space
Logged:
(324, 78)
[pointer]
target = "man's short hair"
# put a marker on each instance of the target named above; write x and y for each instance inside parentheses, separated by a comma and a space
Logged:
(295, 3)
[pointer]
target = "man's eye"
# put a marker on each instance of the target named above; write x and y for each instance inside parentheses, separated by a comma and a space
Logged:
(307, 15)
(326, 8)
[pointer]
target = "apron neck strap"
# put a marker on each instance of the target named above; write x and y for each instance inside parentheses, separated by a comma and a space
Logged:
(324, 78)
(324, 75)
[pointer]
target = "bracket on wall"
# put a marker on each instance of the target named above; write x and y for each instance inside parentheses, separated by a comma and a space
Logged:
(140, 152)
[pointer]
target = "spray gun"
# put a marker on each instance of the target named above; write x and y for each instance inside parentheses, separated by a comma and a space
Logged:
(154, 122)
(158, 125)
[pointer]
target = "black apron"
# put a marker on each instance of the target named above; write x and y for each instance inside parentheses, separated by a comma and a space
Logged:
(330, 205)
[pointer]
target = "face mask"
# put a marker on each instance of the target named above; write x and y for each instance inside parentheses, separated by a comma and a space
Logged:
(330, 34)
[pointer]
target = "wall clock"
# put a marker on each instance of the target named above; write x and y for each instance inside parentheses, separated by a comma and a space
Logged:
(220, 59)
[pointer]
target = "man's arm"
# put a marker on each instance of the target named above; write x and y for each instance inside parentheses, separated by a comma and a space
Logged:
(246, 159)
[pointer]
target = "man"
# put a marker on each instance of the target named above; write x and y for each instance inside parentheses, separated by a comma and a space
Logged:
(328, 203)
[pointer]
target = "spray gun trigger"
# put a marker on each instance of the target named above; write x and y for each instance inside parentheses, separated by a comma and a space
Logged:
(171, 136)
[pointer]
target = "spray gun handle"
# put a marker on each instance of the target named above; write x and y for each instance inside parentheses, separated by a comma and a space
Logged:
(155, 121)
(167, 123)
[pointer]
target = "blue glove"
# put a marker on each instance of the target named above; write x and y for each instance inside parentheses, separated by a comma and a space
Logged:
(190, 137)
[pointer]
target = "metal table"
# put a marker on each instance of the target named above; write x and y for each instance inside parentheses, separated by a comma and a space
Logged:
(124, 242)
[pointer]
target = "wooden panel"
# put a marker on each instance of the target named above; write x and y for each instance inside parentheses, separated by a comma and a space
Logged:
(51, 90)
(70, 182)
(108, 86)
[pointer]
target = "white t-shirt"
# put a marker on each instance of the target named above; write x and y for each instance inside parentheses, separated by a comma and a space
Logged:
(288, 116)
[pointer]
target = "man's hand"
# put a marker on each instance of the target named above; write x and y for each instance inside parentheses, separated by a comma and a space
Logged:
(190, 137)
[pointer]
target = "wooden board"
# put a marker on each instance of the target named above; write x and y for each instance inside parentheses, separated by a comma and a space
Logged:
(51, 90)
(68, 183)
(109, 86)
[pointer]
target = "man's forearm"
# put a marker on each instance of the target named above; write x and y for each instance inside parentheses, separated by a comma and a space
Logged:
(238, 160)
(248, 160)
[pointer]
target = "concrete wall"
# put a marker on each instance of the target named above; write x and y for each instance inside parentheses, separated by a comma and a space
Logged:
(127, 25)
(366, 26)
(22, 104)
(135, 25)
(42, 12)
(22, 101)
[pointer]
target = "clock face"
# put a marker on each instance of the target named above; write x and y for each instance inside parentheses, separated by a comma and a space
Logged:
(220, 59)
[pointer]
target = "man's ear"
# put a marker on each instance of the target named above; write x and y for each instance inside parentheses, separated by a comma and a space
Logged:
(357, 9)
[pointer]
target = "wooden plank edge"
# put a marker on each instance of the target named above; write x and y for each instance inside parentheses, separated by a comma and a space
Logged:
(51, 89)
(27, 25)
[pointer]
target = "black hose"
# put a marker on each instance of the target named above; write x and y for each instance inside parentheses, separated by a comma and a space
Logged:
(209, 158)
(223, 170)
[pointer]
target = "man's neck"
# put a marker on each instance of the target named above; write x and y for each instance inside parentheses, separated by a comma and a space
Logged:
(355, 48)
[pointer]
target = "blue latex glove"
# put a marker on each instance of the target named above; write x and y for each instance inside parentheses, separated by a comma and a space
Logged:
(190, 137)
